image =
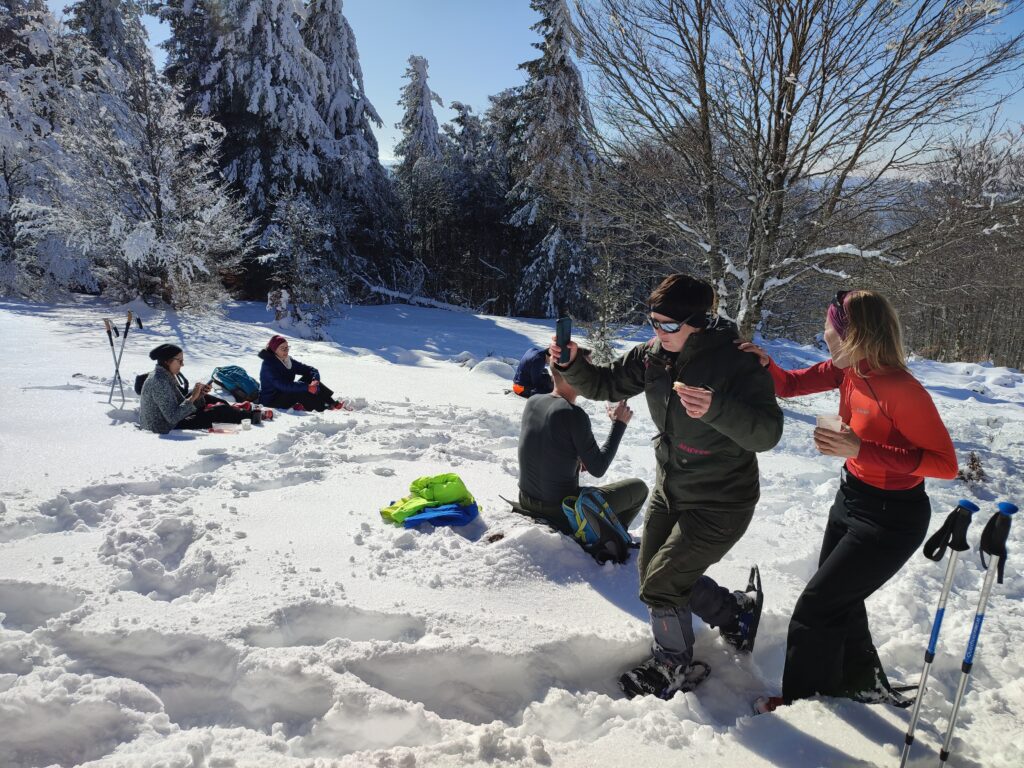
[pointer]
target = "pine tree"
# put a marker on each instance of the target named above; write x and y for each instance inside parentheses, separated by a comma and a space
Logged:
(140, 196)
(261, 83)
(40, 78)
(190, 48)
(420, 137)
(307, 289)
(355, 185)
(114, 29)
(346, 111)
(422, 176)
(552, 161)
(477, 262)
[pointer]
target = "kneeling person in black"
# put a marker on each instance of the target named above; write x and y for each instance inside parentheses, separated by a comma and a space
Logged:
(555, 440)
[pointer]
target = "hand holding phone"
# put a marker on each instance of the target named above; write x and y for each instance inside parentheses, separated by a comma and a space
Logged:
(563, 333)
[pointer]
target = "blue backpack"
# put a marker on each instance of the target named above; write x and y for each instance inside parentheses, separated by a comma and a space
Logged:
(595, 526)
(242, 386)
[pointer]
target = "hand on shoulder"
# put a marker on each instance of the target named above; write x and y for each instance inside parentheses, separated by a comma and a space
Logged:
(748, 346)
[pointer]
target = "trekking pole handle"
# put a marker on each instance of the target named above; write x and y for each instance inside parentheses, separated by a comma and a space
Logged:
(993, 538)
(963, 513)
(953, 533)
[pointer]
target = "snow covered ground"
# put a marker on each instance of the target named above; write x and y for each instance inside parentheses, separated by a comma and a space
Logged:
(214, 600)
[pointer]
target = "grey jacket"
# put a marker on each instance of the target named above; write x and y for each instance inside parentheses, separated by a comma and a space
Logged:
(163, 405)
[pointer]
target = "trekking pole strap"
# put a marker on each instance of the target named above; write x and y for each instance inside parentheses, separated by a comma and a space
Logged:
(953, 533)
(993, 538)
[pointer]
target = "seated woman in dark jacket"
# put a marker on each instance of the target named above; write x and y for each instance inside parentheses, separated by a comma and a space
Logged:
(278, 387)
(167, 403)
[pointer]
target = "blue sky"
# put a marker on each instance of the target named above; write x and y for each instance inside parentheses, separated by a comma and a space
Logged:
(474, 48)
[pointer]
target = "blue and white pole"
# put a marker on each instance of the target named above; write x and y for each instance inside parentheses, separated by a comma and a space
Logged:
(993, 543)
(954, 535)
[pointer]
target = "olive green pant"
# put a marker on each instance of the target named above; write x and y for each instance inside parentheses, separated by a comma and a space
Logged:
(626, 498)
(679, 545)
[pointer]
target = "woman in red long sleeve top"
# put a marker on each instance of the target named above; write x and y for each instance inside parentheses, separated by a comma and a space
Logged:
(892, 438)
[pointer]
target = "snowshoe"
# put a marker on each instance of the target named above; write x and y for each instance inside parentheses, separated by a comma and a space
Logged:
(749, 603)
(652, 678)
(888, 694)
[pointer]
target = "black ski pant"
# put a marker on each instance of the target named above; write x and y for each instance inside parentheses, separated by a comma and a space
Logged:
(214, 411)
(626, 498)
(678, 546)
(321, 401)
(870, 534)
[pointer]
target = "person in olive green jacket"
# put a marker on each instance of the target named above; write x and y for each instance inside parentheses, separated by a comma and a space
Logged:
(714, 408)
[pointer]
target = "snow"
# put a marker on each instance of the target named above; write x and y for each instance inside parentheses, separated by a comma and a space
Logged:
(203, 600)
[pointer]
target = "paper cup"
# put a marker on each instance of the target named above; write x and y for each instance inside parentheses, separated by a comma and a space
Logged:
(829, 421)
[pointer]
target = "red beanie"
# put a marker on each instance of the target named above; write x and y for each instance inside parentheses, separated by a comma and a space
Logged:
(275, 342)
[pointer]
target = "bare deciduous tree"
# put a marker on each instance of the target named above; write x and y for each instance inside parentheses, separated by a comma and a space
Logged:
(792, 129)
(962, 301)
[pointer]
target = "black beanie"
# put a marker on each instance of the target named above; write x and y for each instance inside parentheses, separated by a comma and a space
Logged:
(164, 352)
(680, 297)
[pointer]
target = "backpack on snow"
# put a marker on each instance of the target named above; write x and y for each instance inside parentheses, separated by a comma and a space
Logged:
(596, 528)
(242, 386)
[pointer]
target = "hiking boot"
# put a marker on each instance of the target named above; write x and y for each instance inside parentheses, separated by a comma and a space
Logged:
(765, 704)
(741, 631)
(653, 678)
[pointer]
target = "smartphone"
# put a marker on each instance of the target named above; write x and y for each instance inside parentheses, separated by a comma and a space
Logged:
(563, 333)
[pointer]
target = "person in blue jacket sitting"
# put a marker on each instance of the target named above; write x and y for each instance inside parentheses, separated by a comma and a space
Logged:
(532, 377)
(278, 388)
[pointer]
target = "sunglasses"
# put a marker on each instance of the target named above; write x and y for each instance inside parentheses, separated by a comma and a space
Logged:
(839, 298)
(673, 326)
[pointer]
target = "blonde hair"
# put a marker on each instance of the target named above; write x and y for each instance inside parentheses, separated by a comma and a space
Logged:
(874, 333)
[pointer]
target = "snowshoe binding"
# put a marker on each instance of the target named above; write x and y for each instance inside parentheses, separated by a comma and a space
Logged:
(749, 602)
(652, 678)
(893, 695)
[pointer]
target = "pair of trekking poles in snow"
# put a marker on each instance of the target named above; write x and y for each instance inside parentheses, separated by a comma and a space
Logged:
(953, 535)
(112, 331)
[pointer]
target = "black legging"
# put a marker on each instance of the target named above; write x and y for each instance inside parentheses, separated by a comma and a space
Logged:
(870, 534)
(321, 401)
(213, 411)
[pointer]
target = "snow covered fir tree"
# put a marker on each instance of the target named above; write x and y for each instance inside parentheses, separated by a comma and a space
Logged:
(551, 165)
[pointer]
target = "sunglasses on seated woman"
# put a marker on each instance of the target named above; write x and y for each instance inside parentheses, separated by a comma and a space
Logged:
(673, 326)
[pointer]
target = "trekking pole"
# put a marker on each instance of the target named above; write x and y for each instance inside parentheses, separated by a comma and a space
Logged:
(111, 332)
(993, 542)
(117, 361)
(952, 534)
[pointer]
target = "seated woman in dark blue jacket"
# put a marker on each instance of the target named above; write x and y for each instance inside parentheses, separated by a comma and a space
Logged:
(278, 388)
